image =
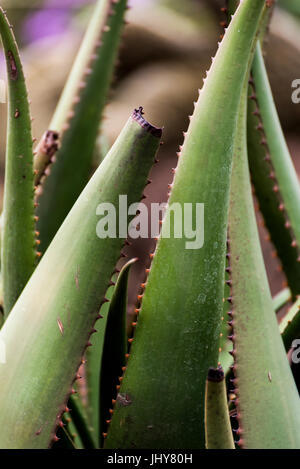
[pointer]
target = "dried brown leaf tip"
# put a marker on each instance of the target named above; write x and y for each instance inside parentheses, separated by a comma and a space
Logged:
(138, 114)
(215, 375)
(49, 143)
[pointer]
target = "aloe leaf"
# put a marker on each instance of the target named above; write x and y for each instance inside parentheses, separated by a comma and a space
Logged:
(81, 423)
(77, 119)
(93, 368)
(64, 440)
(71, 430)
(218, 433)
(273, 174)
(281, 299)
(268, 406)
(289, 326)
(48, 329)
(115, 346)
(108, 347)
(18, 254)
(177, 336)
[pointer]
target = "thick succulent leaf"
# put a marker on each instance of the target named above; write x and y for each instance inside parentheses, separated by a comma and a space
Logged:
(48, 329)
(114, 347)
(290, 325)
(71, 430)
(275, 180)
(218, 433)
(77, 119)
(161, 400)
(80, 422)
(64, 440)
(106, 356)
(93, 368)
(18, 254)
(268, 406)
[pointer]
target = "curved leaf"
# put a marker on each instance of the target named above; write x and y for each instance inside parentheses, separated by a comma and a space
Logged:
(48, 329)
(18, 254)
(218, 433)
(77, 119)
(177, 336)
(268, 406)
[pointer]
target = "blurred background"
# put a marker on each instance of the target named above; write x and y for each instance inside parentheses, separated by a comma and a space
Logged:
(167, 47)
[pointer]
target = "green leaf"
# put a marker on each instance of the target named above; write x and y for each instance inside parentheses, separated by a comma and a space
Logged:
(177, 336)
(48, 329)
(275, 180)
(268, 406)
(108, 347)
(77, 119)
(218, 433)
(81, 423)
(18, 255)
(114, 347)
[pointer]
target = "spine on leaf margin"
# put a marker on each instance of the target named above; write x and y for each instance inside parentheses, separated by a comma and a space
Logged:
(77, 120)
(54, 317)
(268, 407)
(18, 253)
(177, 336)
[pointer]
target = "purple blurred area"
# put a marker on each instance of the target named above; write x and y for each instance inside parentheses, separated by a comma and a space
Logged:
(51, 20)
(55, 16)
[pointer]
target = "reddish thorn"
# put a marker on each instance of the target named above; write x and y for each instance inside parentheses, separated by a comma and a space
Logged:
(272, 175)
(263, 141)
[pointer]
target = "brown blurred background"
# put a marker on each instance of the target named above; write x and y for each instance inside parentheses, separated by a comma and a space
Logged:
(167, 47)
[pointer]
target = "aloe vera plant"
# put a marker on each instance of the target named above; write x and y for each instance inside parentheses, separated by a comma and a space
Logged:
(158, 383)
